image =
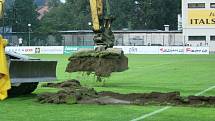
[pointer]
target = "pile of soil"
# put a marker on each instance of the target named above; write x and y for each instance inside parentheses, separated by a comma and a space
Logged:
(171, 98)
(147, 98)
(102, 63)
(72, 93)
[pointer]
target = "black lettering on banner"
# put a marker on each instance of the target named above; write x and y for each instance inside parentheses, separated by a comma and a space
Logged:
(196, 21)
(193, 21)
(202, 21)
(208, 21)
(212, 14)
(213, 21)
(133, 50)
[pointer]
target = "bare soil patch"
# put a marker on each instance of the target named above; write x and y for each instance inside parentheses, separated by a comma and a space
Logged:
(72, 93)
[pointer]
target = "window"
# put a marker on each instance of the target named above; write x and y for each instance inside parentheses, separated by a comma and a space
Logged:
(196, 5)
(212, 5)
(197, 38)
(212, 38)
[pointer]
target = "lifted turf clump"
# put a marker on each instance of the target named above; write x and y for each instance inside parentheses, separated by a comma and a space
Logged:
(102, 63)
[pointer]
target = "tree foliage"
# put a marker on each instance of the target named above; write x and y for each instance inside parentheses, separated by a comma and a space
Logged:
(72, 15)
(22, 13)
(145, 14)
(75, 15)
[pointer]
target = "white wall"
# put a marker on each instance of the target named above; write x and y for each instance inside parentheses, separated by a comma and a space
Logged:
(198, 30)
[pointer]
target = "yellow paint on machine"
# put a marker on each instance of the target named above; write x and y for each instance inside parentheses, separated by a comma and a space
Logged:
(96, 11)
(201, 18)
(5, 83)
(1, 8)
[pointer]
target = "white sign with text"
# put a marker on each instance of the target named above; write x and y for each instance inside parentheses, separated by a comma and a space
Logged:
(126, 49)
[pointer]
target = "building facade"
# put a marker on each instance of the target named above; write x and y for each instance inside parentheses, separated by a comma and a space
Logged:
(127, 38)
(198, 18)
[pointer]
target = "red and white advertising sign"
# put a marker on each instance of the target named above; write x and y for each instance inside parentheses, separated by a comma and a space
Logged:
(196, 50)
(36, 49)
(21, 50)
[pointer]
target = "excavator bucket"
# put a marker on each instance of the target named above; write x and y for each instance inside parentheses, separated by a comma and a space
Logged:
(27, 71)
(24, 69)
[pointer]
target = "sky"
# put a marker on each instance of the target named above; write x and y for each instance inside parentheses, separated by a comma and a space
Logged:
(63, 1)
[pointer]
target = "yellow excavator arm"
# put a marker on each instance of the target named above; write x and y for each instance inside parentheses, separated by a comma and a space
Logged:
(101, 20)
(5, 84)
(96, 13)
(1, 7)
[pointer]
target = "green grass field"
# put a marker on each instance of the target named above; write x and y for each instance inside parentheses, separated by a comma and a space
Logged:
(189, 74)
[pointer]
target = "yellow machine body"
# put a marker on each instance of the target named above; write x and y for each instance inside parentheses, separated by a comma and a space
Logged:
(5, 83)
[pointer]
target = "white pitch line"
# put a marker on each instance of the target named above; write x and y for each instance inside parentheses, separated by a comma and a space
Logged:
(168, 107)
(200, 93)
(151, 114)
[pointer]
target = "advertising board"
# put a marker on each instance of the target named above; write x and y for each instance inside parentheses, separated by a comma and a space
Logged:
(21, 50)
(36, 49)
(163, 50)
(72, 49)
(201, 18)
(126, 49)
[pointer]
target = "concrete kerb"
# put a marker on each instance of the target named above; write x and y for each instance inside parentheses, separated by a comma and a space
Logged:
(168, 107)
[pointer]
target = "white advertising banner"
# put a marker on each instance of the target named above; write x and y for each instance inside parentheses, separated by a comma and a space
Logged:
(139, 49)
(49, 50)
(36, 49)
(150, 50)
(126, 49)
(21, 50)
(163, 50)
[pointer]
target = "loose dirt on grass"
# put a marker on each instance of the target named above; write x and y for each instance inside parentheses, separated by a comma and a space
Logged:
(73, 93)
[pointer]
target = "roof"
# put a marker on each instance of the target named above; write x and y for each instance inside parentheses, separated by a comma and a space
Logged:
(123, 31)
(115, 31)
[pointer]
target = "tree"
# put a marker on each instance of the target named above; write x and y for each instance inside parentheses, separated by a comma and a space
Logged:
(54, 3)
(122, 10)
(72, 15)
(131, 14)
(146, 14)
(24, 13)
